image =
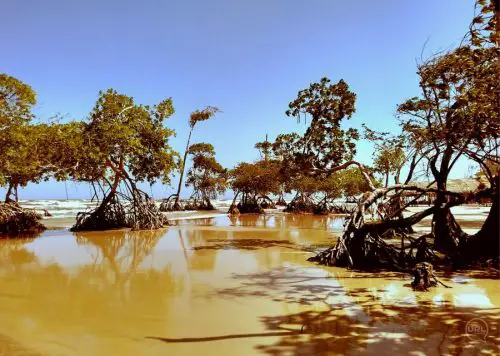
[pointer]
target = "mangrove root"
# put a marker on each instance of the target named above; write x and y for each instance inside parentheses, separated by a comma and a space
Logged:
(15, 220)
(139, 213)
(233, 210)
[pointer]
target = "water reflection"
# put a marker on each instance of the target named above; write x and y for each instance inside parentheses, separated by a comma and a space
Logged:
(13, 252)
(224, 286)
(119, 251)
(277, 220)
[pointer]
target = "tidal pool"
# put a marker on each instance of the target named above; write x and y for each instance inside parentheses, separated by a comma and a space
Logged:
(228, 286)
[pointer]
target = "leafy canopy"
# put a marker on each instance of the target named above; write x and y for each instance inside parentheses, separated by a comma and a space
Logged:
(325, 144)
(125, 139)
(206, 176)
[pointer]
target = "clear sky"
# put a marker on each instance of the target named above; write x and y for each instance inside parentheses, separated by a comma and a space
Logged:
(247, 57)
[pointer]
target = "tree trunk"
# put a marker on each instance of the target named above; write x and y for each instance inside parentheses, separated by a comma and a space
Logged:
(12, 191)
(111, 193)
(177, 198)
(233, 210)
(9, 192)
(447, 232)
(486, 242)
(445, 229)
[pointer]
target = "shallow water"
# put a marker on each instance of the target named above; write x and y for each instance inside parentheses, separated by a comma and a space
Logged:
(227, 286)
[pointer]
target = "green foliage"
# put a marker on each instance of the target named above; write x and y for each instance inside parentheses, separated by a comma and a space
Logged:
(202, 115)
(195, 117)
(484, 28)
(325, 144)
(206, 176)
(125, 140)
(353, 183)
(29, 156)
(287, 151)
(123, 143)
(458, 110)
(16, 101)
(286, 145)
(201, 148)
(390, 160)
(346, 183)
(256, 179)
(264, 148)
(21, 156)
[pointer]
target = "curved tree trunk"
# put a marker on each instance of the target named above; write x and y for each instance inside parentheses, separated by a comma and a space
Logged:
(233, 210)
(488, 238)
(177, 198)
(463, 248)
(446, 231)
(8, 199)
(12, 191)
(449, 237)
(485, 244)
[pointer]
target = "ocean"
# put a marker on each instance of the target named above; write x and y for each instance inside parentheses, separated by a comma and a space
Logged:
(69, 208)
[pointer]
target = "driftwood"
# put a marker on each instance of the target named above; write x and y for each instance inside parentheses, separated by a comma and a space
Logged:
(424, 277)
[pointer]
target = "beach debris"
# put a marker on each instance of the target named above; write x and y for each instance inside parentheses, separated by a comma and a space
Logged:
(424, 277)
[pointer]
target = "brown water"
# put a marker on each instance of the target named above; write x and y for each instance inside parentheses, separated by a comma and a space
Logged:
(221, 286)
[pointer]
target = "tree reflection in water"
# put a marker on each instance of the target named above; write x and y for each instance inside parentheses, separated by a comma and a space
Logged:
(115, 291)
(122, 250)
(335, 315)
(13, 252)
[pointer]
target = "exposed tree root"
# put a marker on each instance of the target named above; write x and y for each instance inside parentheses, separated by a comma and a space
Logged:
(197, 204)
(250, 204)
(109, 215)
(171, 204)
(266, 202)
(137, 211)
(143, 213)
(250, 208)
(370, 251)
(233, 210)
(342, 208)
(302, 203)
(306, 204)
(15, 220)
(281, 201)
(362, 245)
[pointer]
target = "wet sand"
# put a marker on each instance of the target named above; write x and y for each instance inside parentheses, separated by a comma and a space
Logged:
(470, 217)
(228, 286)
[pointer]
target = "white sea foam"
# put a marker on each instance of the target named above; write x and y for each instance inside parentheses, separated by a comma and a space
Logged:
(59, 208)
(71, 207)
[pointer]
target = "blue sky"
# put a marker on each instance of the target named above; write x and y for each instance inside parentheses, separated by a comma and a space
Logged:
(247, 57)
